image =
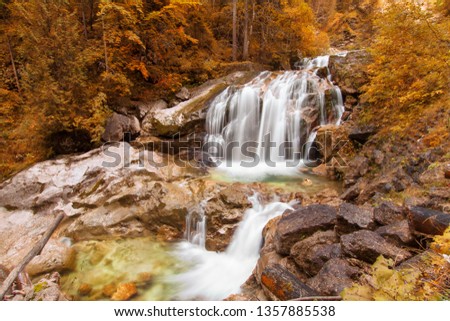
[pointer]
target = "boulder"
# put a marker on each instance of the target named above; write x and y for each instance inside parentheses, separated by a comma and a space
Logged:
(428, 221)
(144, 109)
(349, 71)
(184, 116)
(368, 246)
(266, 259)
(352, 193)
(311, 253)
(280, 284)
(299, 224)
(357, 167)
(336, 275)
(183, 94)
(351, 218)
(361, 135)
(120, 127)
(268, 233)
(107, 193)
(398, 233)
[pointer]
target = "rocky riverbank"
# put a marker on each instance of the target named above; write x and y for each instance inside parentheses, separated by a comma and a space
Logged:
(326, 244)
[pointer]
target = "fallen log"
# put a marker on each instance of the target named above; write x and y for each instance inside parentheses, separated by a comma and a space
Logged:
(428, 221)
(283, 285)
(36, 250)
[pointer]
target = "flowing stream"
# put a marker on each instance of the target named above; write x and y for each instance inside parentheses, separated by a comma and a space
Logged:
(271, 123)
(215, 275)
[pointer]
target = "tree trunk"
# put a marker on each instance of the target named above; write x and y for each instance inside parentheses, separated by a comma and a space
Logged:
(246, 40)
(234, 30)
(84, 21)
(36, 250)
(13, 65)
(104, 44)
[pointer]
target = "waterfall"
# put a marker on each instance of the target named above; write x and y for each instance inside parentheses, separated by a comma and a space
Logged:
(213, 275)
(282, 109)
(196, 225)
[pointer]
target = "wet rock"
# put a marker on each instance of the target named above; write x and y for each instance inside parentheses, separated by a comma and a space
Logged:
(311, 253)
(56, 256)
(368, 246)
(124, 292)
(120, 127)
(297, 225)
(334, 276)
(104, 198)
(280, 284)
(109, 290)
(428, 221)
(398, 233)
(84, 289)
(322, 72)
(235, 196)
(351, 218)
(183, 94)
(269, 235)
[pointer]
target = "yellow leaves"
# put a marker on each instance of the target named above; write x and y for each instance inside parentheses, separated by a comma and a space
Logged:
(441, 243)
(429, 279)
(386, 284)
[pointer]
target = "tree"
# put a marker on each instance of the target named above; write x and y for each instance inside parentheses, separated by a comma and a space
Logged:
(235, 44)
(246, 31)
(411, 58)
(56, 89)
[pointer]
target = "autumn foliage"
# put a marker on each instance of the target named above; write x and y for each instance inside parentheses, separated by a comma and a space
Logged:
(65, 65)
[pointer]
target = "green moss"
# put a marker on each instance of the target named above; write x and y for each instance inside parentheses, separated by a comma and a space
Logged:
(40, 286)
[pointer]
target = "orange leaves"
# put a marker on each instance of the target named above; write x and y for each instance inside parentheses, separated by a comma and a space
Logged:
(409, 67)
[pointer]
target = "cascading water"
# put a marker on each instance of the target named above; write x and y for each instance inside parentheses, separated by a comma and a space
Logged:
(196, 225)
(214, 275)
(283, 109)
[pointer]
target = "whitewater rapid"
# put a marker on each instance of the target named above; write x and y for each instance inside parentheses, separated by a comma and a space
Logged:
(215, 275)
